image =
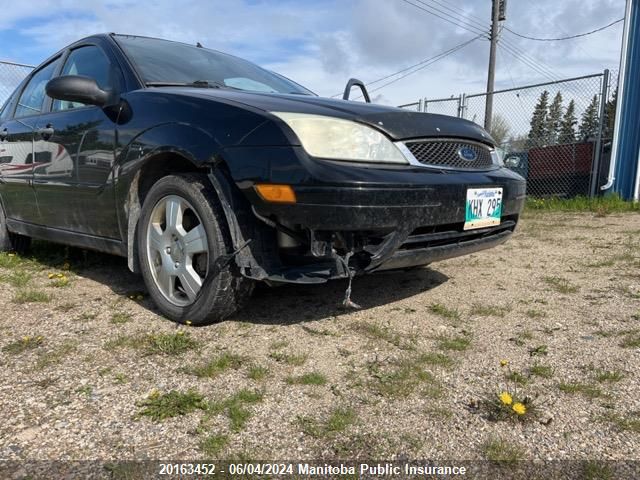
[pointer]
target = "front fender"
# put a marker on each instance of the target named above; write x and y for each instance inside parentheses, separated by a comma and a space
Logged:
(180, 140)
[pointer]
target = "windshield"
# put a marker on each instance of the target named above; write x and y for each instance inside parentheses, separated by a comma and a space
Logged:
(164, 62)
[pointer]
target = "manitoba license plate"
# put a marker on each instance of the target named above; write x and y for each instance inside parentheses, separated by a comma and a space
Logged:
(484, 207)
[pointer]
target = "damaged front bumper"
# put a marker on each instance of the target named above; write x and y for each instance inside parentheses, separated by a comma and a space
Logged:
(382, 227)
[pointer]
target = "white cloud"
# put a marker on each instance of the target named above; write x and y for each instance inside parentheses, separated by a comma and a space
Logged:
(322, 44)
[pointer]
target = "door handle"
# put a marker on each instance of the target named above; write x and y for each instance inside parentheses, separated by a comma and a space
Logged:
(3, 134)
(46, 132)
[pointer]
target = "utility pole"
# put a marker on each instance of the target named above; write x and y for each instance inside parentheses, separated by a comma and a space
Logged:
(498, 5)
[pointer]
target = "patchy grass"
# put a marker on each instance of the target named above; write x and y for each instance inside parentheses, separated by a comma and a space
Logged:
(480, 310)
(257, 372)
(17, 279)
(401, 377)
(375, 332)
(213, 445)
(160, 406)
(436, 359)
(586, 389)
(11, 260)
(540, 370)
(85, 390)
(444, 312)
(500, 451)
(30, 295)
(120, 318)
(289, 358)
(631, 340)
(216, 366)
(539, 351)
(593, 470)
(235, 407)
(517, 377)
(628, 423)
(55, 356)
(560, 285)
(28, 342)
(522, 338)
(163, 343)
(533, 313)
(458, 344)
(313, 378)
(600, 205)
(338, 421)
(610, 376)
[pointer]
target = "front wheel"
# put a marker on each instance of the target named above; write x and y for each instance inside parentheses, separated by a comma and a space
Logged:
(181, 232)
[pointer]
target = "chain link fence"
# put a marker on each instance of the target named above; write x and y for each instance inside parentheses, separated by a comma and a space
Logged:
(557, 134)
(11, 74)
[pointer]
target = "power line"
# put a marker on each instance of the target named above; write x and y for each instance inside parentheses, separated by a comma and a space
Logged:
(508, 49)
(430, 62)
(564, 38)
(470, 29)
(462, 20)
(481, 22)
(420, 64)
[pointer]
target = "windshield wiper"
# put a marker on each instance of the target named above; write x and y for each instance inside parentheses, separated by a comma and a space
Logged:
(197, 84)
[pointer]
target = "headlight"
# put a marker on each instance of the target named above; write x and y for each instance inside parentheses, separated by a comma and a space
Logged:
(328, 137)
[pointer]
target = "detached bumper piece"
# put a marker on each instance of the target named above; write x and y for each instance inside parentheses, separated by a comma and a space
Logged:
(424, 248)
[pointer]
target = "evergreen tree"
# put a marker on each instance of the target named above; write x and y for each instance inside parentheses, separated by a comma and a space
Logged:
(568, 125)
(589, 121)
(554, 119)
(538, 132)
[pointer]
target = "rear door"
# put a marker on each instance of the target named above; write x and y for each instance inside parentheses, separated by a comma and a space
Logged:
(74, 180)
(17, 160)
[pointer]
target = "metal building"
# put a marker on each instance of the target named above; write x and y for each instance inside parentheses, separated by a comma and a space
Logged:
(624, 174)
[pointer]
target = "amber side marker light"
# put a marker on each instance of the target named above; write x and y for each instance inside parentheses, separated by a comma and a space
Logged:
(276, 193)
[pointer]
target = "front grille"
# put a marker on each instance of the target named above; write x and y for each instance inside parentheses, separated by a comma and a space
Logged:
(446, 153)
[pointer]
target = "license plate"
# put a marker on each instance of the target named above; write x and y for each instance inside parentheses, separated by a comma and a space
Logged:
(484, 207)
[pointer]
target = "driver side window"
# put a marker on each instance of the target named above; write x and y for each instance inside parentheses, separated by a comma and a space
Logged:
(89, 61)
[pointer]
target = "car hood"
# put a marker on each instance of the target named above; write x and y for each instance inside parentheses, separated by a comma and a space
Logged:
(397, 123)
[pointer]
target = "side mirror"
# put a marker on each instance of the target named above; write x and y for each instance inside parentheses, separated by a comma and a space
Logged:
(77, 88)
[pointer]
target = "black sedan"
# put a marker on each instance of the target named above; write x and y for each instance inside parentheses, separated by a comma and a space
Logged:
(209, 173)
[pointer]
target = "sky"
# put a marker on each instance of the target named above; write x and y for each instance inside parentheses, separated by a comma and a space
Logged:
(323, 43)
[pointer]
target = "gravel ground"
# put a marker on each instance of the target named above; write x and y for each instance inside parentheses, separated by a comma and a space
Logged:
(414, 374)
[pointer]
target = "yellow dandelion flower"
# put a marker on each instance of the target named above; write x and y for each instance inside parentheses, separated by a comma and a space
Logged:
(519, 408)
(60, 275)
(12, 254)
(26, 338)
(180, 332)
(506, 398)
(132, 297)
(51, 275)
(139, 297)
(504, 363)
(154, 393)
(188, 322)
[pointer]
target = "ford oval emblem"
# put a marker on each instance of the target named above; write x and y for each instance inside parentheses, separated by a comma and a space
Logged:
(467, 154)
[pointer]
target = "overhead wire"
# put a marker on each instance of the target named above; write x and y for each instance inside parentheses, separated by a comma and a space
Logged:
(570, 37)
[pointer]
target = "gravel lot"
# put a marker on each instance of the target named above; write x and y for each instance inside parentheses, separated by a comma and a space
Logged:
(87, 363)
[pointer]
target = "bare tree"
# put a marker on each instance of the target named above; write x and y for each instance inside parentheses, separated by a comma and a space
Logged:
(500, 129)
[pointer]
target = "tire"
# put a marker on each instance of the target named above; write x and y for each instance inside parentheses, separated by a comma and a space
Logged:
(181, 232)
(11, 242)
